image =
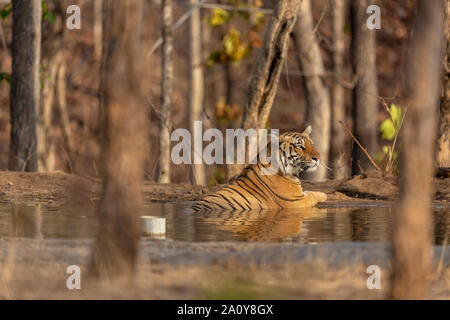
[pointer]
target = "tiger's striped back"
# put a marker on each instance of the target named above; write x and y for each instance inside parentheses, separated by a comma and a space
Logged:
(253, 190)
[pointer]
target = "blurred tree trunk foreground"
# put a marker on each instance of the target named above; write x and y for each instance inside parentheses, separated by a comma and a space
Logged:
(25, 85)
(412, 247)
(124, 144)
(267, 69)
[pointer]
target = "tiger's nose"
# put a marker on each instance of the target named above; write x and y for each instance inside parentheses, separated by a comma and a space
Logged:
(315, 158)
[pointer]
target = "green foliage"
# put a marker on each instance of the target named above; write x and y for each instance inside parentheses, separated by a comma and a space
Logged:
(5, 76)
(232, 289)
(6, 11)
(389, 129)
(235, 47)
(219, 17)
(46, 14)
(218, 177)
(390, 126)
(233, 50)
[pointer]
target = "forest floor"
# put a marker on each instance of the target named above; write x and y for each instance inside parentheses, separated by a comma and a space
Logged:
(62, 188)
(31, 268)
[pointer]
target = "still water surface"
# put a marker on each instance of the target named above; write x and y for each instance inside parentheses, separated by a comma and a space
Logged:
(310, 225)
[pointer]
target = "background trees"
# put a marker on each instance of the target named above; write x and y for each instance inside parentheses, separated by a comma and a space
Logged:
(166, 92)
(196, 83)
(266, 73)
(25, 85)
(365, 93)
(339, 150)
(318, 113)
(230, 41)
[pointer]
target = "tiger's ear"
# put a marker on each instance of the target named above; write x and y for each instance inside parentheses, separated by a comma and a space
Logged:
(307, 130)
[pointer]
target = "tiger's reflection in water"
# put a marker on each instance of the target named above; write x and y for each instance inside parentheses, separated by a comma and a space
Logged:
(257, 226)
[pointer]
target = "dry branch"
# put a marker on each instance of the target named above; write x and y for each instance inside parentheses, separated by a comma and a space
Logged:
(360, 145)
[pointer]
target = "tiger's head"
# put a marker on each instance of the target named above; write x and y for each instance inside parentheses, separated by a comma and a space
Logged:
(297, 153)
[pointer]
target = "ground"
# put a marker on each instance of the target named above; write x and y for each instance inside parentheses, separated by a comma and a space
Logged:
(215, 270)
(36, 269)
(63, 188)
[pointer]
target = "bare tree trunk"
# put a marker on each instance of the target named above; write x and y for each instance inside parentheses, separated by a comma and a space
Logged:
(318, 113)
(443, 143)
(51, 61)
(412, 251)
(339, 154)
(25, 85)
(196, 84)
(267, 69)
(365, 93)
(63, 111)
(124, 146)
(45, 140)
(166, 92)
(139, 24)
(98, 27)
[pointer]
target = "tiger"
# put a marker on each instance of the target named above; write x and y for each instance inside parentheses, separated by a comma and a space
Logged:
(256, 226)
(252, 190)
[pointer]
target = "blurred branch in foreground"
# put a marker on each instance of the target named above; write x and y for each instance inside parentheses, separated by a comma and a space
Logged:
(123, 145)
(412, 253)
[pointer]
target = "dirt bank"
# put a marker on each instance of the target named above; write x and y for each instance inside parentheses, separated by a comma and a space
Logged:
(62, 188)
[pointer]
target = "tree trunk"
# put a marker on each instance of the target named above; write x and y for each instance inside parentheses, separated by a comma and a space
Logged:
(98, 27)
(64, 112)
(52, 60)
(45, 140)
(196, 84)
(25, 85)
(267, 69)
(318, 113)
(124, 146)
(339, 154)
(412, 251)
(443, 144)
(166, 92)
(365, 93)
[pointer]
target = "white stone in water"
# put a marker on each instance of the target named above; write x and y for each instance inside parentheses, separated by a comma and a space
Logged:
(153, 226)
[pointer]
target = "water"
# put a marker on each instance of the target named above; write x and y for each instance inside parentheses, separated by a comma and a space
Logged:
(312, 225)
